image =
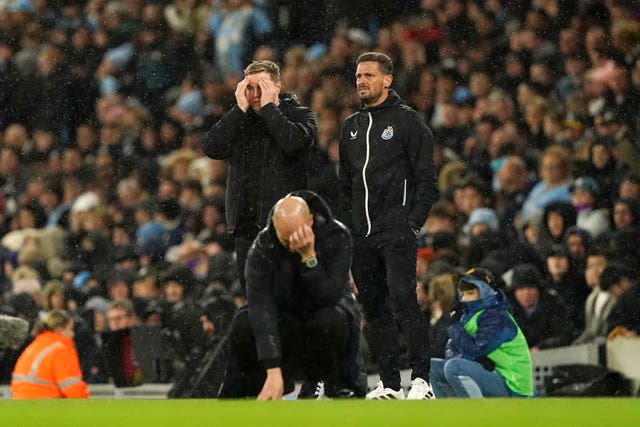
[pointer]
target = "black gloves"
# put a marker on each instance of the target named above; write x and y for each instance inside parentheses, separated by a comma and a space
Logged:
(455, 313)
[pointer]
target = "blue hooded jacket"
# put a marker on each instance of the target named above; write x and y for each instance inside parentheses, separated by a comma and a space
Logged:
(495, 327)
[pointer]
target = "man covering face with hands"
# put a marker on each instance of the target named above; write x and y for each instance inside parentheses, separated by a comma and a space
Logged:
(301, 322)
(265, 138)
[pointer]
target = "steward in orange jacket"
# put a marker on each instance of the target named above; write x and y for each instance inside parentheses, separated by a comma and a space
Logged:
(49, 367)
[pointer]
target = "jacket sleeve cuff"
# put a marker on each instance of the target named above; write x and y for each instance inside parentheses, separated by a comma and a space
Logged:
(237, 113)
(269, 112)
(271, 363)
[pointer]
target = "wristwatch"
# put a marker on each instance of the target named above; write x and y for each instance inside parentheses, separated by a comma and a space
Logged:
(311, 262)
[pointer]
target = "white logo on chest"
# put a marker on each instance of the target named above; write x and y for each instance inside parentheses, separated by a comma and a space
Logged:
(387, 134)
(354, 135)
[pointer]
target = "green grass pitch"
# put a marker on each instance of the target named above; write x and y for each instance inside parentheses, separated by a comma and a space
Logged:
(547, 412)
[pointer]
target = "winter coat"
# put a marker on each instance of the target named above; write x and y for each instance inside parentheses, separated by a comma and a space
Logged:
(266, 152)
(548, 325)
(277, 280)
(48, 369)
(495, 326)
(596, 326)
(387, 173)
(488, 331)
(625, 312)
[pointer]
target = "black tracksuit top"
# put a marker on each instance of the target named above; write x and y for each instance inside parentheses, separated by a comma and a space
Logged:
(387, 173)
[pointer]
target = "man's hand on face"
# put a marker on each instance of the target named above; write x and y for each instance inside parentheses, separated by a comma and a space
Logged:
(241, 94)
(273, 387)
(269, 91)
(303, 241)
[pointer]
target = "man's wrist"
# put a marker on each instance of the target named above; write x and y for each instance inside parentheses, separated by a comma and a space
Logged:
(307, 257)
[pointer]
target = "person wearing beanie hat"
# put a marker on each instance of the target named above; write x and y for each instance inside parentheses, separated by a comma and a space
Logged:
(585, 193)
(481, 220)
(540, 313)
(488, 354)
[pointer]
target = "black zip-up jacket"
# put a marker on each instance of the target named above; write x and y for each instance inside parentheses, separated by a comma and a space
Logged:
(265, 152)
(387, 173)
(278, 281)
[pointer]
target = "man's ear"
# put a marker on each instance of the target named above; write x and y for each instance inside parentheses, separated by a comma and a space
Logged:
(387, 80)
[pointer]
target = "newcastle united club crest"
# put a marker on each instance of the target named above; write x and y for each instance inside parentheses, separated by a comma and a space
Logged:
(387, 134)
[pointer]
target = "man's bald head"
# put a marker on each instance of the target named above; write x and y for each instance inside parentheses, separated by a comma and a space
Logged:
(289, 214)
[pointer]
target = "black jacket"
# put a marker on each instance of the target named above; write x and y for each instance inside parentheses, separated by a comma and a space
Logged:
(265, 152)
(548, 325)
(626, 311)
(277, 281)
(387, 173)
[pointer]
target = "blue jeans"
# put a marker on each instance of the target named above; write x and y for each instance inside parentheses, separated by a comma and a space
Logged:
(466, 378)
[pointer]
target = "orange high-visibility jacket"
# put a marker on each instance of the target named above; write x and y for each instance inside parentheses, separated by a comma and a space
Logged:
(48, 368)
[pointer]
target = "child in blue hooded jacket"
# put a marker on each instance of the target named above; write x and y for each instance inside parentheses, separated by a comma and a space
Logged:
(487, 353)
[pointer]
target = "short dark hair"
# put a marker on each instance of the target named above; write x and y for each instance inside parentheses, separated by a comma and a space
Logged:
(384, 62)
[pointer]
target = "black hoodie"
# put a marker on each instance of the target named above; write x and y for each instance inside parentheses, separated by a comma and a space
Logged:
(277, 280)
(387, 173)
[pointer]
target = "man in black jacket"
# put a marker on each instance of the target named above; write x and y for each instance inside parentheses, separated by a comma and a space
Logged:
(387, 187)
(541, 313)
(265, 137)
(301, 315)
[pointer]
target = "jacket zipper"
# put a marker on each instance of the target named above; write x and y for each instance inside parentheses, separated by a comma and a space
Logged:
(364, 178)
(404, 193)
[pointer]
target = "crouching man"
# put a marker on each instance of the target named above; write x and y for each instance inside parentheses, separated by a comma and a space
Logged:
(301, 322)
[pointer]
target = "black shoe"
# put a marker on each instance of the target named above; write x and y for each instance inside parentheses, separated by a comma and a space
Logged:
(312, 390)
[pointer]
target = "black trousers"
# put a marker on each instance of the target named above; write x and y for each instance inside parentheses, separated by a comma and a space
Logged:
(384, 270)
(313, 349)
(243, 242)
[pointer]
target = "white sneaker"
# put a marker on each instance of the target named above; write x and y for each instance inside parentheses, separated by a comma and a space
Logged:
(420, 389)
(382, 393)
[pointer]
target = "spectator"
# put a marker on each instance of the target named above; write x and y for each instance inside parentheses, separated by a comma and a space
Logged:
(623, 319)
(578, 243)
(569, 283)
(599, 302)
(513, 187)
(557, 218)
(592, 217)
(237, 28)
(441, 296)
(121, 362)
(540, 313)
(555, 173)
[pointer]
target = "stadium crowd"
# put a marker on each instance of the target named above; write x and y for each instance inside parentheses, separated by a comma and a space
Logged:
(108, 203)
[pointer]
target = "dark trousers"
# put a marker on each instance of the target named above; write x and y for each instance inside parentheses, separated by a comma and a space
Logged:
(313, 349)
(243, 243)
(384, 270)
